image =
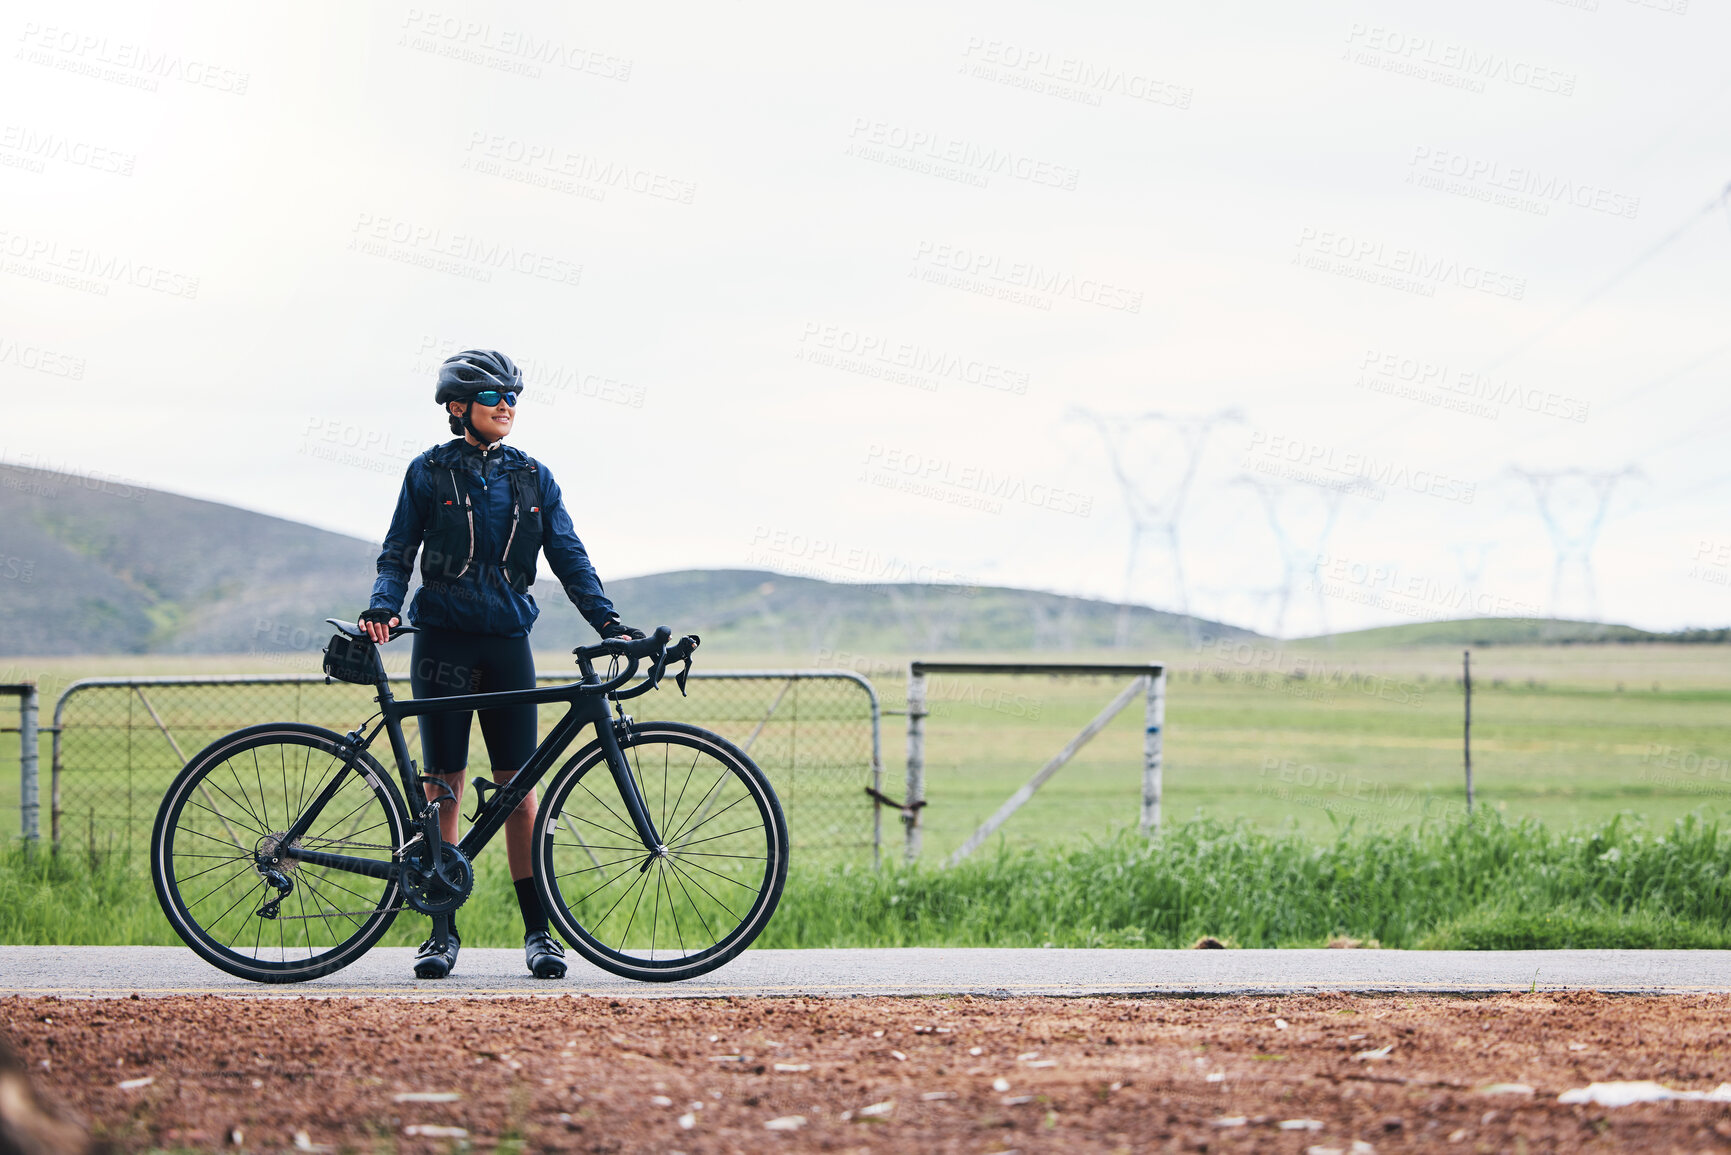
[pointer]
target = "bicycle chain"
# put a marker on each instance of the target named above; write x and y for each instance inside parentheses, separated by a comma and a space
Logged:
(341, 914)
(347, 913)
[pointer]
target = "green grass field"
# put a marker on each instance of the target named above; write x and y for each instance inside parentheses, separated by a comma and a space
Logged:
(1565, 734)
(1298, 743)
(1484, 885)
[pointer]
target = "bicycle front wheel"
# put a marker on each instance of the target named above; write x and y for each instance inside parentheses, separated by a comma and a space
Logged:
(237, 798)
(660, 917)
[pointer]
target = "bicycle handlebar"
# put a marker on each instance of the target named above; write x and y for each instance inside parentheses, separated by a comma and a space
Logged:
(634, 651)
(634, 648)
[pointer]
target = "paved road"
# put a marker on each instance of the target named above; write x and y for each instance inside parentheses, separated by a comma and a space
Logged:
(109, 971)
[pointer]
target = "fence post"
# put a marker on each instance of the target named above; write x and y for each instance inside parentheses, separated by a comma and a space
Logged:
(1153, 752)
(29, 805)
(916, 791)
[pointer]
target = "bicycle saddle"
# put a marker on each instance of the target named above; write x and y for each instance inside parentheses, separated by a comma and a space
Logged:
(355, 631)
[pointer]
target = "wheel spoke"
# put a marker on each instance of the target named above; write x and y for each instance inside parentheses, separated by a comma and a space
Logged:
(716, 848)
(698, 910)
(321, 915)
(597, 866)
(603, 804)
(699, 885)
(641, 885)
(693, 830)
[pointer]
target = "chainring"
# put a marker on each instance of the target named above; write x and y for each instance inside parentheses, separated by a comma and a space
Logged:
(424, 891)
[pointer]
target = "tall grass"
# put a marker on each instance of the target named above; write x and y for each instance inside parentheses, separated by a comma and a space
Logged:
(1486, 885)
(1489, 884)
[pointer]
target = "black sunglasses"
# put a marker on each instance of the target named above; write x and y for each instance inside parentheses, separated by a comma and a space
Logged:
(490, 397)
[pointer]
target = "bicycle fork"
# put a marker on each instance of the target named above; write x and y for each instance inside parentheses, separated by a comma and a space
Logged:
(626, 781)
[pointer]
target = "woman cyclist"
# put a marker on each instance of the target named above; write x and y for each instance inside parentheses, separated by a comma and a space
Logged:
(478, 512)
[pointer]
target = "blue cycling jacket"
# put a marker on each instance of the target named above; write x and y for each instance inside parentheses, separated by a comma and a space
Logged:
(479, 598)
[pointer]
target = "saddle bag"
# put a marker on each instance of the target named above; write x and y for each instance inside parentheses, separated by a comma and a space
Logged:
(351, 660)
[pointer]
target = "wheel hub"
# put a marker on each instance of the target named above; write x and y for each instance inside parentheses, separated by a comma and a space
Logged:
(271, 854)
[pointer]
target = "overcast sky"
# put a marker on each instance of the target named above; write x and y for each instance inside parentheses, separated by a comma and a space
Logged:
(1427, 302)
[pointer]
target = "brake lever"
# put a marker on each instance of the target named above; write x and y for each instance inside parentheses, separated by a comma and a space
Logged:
(685, 672)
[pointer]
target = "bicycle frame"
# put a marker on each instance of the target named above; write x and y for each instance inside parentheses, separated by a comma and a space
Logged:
(588, 704)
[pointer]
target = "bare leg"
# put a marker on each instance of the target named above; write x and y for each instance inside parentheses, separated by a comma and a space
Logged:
(519, 827)
(449, 810)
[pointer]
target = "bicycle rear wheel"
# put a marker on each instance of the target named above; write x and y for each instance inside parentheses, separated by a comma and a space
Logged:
(673, 916)
(239, 796)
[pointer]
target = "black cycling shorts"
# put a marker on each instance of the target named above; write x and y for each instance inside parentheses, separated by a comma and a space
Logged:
(447, 662)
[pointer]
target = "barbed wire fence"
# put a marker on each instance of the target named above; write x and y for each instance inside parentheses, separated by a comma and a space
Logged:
(119, 742)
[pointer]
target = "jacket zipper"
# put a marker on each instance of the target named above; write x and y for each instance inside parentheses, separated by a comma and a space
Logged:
(469, 510)
(516, 512)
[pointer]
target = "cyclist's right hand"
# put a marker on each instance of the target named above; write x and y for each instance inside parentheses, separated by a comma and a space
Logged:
(378, 624)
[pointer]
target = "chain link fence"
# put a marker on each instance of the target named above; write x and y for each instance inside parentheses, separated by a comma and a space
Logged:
(119, 742)
(18, 778)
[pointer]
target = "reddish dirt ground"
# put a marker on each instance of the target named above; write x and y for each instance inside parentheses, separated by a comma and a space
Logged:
(884, 1075)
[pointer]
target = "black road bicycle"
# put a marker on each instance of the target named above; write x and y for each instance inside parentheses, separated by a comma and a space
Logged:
(282, 852)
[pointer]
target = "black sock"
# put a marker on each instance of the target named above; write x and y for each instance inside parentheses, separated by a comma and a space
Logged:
(534, 918)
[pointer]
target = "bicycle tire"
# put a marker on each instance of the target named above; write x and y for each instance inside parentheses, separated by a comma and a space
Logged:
(747, 852)
(229, 794)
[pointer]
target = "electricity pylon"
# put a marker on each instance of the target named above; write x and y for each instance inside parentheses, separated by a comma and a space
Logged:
(1573, 504)
(1155, 506)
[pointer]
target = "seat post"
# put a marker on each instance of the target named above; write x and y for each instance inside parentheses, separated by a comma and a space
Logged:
(381, 679)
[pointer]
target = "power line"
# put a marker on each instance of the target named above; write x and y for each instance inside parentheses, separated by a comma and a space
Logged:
(1545, 330)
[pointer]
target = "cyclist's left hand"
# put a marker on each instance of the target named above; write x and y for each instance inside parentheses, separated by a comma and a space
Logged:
(614, 628)
(377, 624)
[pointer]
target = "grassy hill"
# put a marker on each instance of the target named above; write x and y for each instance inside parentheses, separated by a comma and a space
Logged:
(1490, 632)
(91, 567)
